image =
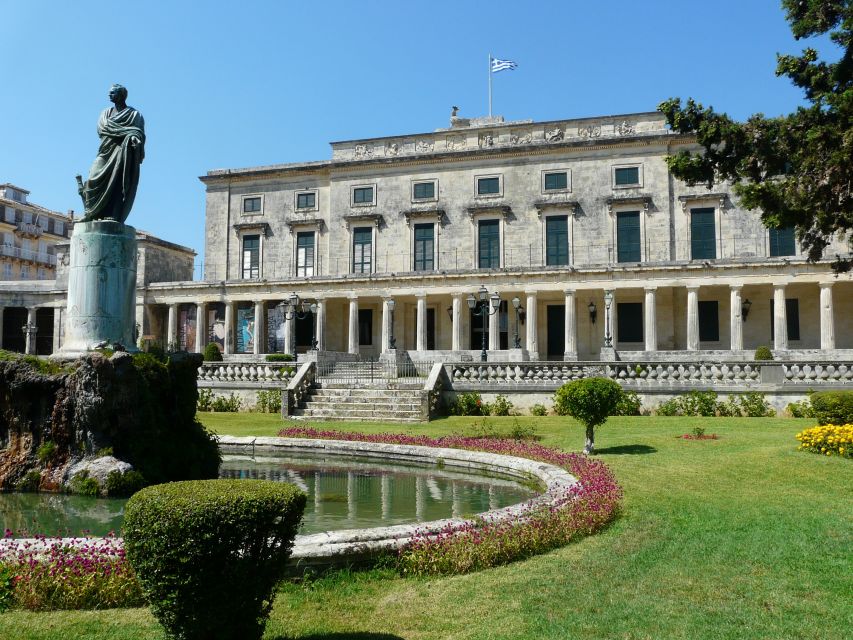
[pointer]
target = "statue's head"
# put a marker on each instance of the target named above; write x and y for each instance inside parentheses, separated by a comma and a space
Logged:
(118, 91)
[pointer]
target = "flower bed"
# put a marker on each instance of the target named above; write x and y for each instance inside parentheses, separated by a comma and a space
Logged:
(62, 573)
(584, 509)
(828, 440)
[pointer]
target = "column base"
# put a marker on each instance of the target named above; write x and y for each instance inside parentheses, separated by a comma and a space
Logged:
(608, 354)
(570, 356)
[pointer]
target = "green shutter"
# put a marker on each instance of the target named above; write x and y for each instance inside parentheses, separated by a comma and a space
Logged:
(628, 236)
(557, 240)
(782, 242)
(490, 244)
(703, 235)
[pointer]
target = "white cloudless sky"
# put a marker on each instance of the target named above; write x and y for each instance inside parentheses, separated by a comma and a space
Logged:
(235, 84)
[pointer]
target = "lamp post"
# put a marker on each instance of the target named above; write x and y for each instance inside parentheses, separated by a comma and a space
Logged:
(291, 311)
(516, 303)
(744, 309)
(593, 311)
(608, 302)
(392, 341)
(484, 307)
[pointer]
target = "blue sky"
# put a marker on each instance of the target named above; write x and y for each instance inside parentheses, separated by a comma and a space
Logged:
(233, 84)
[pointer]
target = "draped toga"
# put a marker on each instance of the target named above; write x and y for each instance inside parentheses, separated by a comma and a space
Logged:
(111, 188)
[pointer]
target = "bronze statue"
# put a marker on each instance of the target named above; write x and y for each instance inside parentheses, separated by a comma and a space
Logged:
(109, 192)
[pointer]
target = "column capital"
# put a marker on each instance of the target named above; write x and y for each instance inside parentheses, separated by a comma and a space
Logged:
(352, 296)
(779, 287)
(652, 289)
(736, 287)
(826, 285)
(569, 292)
(421, 295)
(531, 292)
(692, 287)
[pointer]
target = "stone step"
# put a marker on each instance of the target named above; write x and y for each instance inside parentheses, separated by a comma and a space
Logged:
(335, 395)
(366, 386)
(346, 414)
(360, 419)
(365, 403)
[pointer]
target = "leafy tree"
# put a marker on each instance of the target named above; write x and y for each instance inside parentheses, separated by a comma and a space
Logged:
(796, 168)
(590, 401)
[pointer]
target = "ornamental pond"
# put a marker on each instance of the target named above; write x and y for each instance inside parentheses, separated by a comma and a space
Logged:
(344, 492)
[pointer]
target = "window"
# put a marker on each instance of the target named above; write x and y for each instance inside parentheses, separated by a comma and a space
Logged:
(628, 236)
(423, 190)
(782, 242)
(557, 240)
(42, 247)
(792, 317)
(7, 271)
(362, 195)
(251, 257)
(556, 181)
(10, 214)
(709, 321)
(59, 227)
(703, 236)
(424, 247)
(629, 322)
(626, 176)
(490, 186)
(489, 242)
(362, 249)
(42, 222)
(305, 254)
(27, 217)
(252, 204)
(365, 327)
(41, 274)
(25, 272)
(306, 200)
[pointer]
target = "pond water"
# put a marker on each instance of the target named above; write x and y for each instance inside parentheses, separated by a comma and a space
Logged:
(343, 493)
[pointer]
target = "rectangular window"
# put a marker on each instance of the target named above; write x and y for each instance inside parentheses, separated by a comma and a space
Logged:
(424, 247)
(362, 195)
(252, 205)
(362, 250)
(423, 190)
(306, 200)
(782, 242)
(792, 317)
(628, 236)
(25, 272)
(365, 327)
(7, 271)
(42, 222)
(59, 227)
(489, 241)
(629, 321)
(10, 214)
(27, 217)
(703, 234)
(626, 176)
(556, 181)
(488, 186)
(251, 257)
(557, 240)
(709, 321)
(305, 254)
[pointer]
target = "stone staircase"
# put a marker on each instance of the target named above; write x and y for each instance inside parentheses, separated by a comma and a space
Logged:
(402, 402)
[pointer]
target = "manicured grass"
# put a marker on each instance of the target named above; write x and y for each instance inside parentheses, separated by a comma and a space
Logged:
(741, 537)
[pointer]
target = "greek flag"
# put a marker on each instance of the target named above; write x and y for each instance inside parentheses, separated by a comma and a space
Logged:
(501, 65)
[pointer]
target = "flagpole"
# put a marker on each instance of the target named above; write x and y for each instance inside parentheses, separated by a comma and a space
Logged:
(490, 85)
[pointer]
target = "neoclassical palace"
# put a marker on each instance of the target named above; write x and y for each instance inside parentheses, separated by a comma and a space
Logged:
(562, 240)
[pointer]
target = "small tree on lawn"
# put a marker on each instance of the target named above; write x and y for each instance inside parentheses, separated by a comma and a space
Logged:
(590, 401)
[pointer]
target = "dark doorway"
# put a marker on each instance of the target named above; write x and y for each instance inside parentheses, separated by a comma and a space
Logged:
(44, 335)
(430, 329)
(14, 319)
(556, 331)
(304, 332)
(479, 324)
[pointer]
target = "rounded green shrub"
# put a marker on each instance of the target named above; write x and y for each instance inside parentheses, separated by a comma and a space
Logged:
(538, 410)
(590, 401)
(763, 353)
(832, 407)
(212, 353)
(278, 357)
(209, 553)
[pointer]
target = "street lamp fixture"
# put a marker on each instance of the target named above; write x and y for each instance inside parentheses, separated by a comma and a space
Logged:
(488, 306)
(744, 309)
(294, 309)
(593, 311)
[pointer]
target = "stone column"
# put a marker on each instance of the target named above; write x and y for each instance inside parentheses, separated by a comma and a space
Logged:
(692, 318)
(200, 326)
(421, 340)
(353, 325)
(139, 324)
(736, 312)
(827, 319)
(570, 329)
(494, 328)
(30, 334)
(57, 328)
(531, 325)
(321, 325)
(259, 343)
(456, 329)
(780, 318)
(289, 322)
(229, 326)
(650, 319)
(1, 326)
(386, 326)
(172, 327)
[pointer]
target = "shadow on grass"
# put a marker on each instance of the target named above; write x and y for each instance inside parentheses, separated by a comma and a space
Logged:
(355, 635)
(626, 450)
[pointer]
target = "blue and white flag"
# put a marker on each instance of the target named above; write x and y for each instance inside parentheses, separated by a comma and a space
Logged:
(502, 65)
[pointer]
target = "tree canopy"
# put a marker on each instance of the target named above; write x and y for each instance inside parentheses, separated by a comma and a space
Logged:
(797, 168)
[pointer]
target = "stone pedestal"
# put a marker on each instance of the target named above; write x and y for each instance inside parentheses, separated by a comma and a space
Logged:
(101, 287)
(608, 354)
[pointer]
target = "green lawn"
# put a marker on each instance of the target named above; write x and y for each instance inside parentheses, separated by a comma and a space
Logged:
(742, 537)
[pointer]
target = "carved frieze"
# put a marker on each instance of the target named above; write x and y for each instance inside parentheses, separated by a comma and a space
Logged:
(521, 137)
(554, 135)
(453, 143)
(424, 146)
(392, 148)
(625, 128)
(590, 131)
(487, 139)
(363, 151)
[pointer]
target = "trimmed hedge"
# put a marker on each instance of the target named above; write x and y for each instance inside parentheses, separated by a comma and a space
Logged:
(278, 357)
(209, 553)
(212, 353)
(832, 407)
(763, 353)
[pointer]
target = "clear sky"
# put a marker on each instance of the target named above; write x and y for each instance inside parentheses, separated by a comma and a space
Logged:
(245, 83)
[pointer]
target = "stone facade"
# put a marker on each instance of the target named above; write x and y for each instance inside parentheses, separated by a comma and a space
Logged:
(579, 208)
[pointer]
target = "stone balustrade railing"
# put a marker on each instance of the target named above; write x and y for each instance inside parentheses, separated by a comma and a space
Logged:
(299, 388)
(249, 374)
(650, 375)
